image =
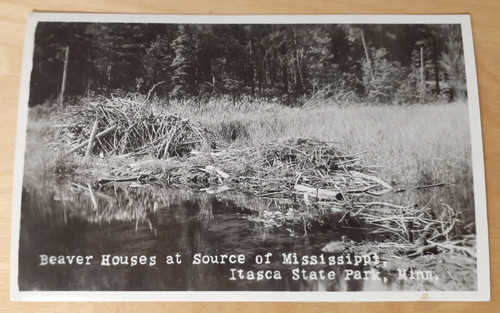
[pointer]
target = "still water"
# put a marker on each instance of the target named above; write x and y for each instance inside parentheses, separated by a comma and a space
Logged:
(69, 219)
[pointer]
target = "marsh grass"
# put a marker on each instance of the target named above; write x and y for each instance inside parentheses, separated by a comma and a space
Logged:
(407, 146)
(410, 146)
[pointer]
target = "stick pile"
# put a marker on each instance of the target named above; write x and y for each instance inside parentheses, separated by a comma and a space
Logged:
(311, 170)
(128, 126)
(304, 170)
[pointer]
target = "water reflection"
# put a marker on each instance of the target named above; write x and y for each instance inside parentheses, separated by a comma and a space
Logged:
(67, 218)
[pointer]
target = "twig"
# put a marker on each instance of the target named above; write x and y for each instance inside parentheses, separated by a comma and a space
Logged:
(421, 187)
(151, 90)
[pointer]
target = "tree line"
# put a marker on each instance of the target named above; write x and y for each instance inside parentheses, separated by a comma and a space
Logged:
(289, 63)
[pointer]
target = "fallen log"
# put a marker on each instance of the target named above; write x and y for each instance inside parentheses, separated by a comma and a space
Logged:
(420, 187)
(105, 180)
(214, 170)
(386, 186)
(319, 194)
(215, 190)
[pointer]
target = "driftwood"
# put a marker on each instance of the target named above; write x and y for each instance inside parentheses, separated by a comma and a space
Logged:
(216, 190)
(388, 188)
(319, 194)
(214, 170)
(105, 180)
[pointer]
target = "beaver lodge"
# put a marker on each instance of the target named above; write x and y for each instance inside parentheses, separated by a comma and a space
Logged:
(303, 181)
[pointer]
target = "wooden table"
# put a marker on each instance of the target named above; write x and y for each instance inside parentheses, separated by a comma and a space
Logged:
(486, 27)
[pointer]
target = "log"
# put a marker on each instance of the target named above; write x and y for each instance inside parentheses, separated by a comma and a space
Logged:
(105, 180)
(386, 186)
(374, 179)
(91, 139)
(215, 190)
(101, 134)
(319, 193)
(214, 170)
(420, 187)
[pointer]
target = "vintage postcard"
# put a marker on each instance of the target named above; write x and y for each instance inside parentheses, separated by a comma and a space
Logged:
(249, 158)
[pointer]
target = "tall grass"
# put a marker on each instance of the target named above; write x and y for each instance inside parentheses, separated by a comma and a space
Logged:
(409, 146)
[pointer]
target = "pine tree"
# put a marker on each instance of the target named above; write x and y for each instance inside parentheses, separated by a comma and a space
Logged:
(452, 60)
(183, 47)
(157, 65)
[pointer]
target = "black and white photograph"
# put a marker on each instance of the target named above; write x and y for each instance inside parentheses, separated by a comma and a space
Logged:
(249, 158)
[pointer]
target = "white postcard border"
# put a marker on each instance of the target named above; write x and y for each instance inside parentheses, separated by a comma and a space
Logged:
(483, 266)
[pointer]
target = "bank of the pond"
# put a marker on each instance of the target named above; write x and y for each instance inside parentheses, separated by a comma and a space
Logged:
(127, 206)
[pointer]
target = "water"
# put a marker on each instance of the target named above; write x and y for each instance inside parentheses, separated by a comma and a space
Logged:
(64, 218)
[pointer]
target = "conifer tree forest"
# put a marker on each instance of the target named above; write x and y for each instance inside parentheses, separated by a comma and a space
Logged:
(290, 64)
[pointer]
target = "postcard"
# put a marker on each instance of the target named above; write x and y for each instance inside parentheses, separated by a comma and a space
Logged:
(249, 158)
